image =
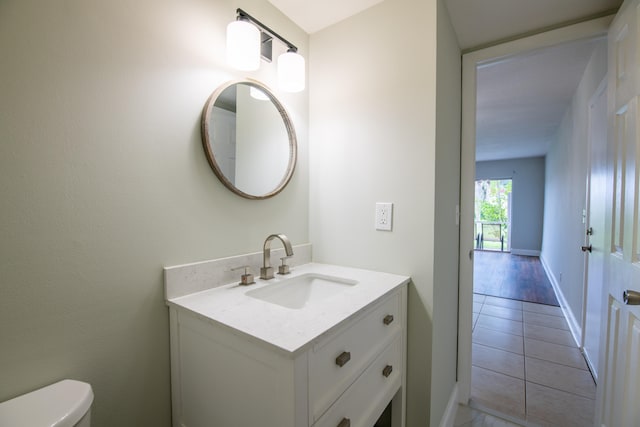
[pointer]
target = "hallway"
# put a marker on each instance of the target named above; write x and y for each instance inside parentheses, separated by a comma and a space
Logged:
(525, 364)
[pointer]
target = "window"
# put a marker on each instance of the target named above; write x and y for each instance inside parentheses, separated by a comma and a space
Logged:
(492, 215)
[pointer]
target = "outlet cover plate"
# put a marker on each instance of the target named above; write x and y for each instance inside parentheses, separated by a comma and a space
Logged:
(384, 216)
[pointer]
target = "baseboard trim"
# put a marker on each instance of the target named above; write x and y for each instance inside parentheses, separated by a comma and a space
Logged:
(574, 325)
(449, 417)
(525, 252)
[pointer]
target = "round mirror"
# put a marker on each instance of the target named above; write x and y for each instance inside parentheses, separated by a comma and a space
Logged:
(248, 139)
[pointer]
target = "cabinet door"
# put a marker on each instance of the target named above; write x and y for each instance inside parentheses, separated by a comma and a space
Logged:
(220, 379)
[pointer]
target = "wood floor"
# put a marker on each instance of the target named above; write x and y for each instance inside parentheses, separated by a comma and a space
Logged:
(510, 276)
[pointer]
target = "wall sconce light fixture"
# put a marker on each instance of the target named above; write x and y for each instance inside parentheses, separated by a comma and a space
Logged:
(243, 46)
(249, 39)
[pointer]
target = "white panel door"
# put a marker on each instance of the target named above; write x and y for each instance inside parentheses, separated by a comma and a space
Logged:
(620, 366)
(595, 234)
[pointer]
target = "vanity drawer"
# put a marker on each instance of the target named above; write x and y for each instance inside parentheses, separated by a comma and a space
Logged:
(334, 364)
(360, 404)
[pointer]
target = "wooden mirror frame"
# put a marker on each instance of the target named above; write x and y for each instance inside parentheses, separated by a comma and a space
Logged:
(205, 128)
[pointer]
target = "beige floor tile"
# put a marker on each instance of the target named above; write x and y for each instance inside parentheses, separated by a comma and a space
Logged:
(465, 416)
(497, 391)
(500, 324)
(497, 339)
(561, 377)
(470, 417)
(498, 360)
(550, 310)
(478, 298)
(549, 407)
(505, 313)
(477, 306)
(544, 333)
(559, 389)
(562, 354)
(545, 320)
(503, 302)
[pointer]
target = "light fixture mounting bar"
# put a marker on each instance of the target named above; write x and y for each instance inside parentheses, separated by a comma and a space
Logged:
(242, 15)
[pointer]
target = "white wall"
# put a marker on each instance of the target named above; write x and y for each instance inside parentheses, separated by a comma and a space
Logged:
(446, 231)
(565, 189)
(103, 181)
(373, 139)
(527, 200)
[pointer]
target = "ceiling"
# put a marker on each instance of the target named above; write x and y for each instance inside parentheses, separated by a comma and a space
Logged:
(521, 102)
(482, 22)
(314, 15)
(476, 22)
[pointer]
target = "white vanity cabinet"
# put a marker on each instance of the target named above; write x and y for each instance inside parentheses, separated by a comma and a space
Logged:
(345, 376)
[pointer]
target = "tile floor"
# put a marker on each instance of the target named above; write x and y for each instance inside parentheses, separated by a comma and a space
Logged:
(526, 365)
(470, 417)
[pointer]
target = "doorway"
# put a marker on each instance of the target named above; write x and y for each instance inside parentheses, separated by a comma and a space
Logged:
(468, 226)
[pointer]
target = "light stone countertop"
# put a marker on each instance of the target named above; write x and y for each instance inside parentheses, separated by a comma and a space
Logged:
(289, 330)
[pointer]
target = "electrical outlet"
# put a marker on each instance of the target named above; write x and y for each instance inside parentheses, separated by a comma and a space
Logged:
(384, 216)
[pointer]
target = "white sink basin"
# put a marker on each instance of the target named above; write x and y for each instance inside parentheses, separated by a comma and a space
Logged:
(299, 291)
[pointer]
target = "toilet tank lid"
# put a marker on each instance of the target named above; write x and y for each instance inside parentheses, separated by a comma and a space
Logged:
(62, 404)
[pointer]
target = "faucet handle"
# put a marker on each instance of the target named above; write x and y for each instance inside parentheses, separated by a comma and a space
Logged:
(247, 277)
(284, 268)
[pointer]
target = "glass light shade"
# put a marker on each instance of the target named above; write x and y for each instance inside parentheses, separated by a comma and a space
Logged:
(258, 94)
(291, 72)
(243, 46)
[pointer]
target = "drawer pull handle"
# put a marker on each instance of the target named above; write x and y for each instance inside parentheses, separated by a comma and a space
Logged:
(344, 357)
(346, 422)
(387, 319)
(387, 371)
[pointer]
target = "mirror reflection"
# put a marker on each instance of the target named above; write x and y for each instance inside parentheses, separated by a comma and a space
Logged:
(248, 139)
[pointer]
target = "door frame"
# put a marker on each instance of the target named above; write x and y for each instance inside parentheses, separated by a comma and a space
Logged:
(470, 62)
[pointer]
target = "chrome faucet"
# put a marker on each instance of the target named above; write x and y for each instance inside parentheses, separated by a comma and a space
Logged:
(266, 271)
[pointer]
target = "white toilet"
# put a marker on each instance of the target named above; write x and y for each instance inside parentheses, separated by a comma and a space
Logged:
(64, 404)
